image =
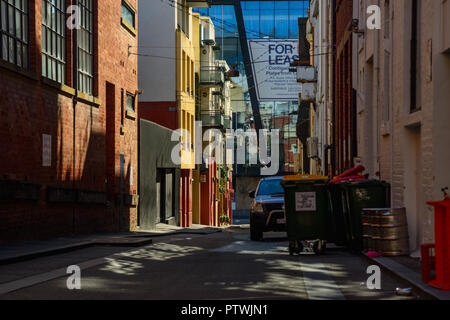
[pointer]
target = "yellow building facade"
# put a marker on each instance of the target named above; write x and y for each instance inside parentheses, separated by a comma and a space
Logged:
(196, 185)
(186, 97)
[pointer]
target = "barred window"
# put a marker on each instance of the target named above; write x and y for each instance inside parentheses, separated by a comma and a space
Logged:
(53, 40)
(14, 32)
(86, 48)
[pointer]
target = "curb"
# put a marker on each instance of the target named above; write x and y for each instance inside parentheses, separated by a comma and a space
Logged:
(418, 287)
(121, 242)
(46, 253)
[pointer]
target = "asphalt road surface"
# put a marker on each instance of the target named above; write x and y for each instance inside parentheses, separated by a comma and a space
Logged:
(224, 266)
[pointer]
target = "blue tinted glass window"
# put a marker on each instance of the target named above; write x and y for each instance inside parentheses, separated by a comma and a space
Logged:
(251, 21)
(293, 23)
(267, 23)
(267, 5)
(282, 24)
(295, 5)
(282, 5)
(250, 5)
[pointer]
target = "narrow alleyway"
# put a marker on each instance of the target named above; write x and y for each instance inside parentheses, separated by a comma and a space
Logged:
(224, 265)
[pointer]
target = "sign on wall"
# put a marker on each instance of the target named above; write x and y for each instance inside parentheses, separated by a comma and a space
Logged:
(271, 59)
(46, 150)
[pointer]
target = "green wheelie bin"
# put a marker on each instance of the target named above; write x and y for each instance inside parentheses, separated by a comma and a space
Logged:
(357, 196)
(340, 224)
(307, 211)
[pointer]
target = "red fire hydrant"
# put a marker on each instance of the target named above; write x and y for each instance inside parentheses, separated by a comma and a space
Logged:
(442, 243)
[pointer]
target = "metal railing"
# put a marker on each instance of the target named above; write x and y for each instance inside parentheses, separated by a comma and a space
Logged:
(211, 76)
(228, 123)
(212, 118)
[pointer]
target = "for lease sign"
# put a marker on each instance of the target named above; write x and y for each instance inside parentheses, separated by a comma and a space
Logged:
(270, 61)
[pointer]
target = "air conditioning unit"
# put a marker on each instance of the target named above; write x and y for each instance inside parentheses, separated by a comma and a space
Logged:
(306, 74)
(308, 92)
(207, 33)
(312, 147)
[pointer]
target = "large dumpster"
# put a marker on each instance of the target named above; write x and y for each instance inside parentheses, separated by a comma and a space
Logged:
(307, 211)
(339, 222)
(357, 196)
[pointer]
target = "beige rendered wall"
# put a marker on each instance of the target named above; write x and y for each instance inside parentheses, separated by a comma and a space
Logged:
(410, 150)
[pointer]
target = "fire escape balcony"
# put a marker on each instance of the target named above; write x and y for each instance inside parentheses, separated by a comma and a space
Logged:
(212, 76)
(228, 123)
(212, 119)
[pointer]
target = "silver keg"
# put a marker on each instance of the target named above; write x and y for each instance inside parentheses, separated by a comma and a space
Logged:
(389, 231)
(371, 225)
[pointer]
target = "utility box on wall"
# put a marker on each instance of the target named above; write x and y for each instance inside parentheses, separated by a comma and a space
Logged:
(306, 74)
(313, 147)
(308, 92)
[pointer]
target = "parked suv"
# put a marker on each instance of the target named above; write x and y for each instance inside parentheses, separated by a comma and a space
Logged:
(267, 209)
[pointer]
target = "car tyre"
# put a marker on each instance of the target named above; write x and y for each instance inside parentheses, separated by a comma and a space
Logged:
(255, 234)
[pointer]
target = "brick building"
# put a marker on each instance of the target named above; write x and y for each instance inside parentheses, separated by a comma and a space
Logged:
(345, 113)
(68, 133)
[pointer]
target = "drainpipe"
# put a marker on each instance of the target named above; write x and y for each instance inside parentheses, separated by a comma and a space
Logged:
(377, 142)
(391, 109)
(333, 118)
(74, 104)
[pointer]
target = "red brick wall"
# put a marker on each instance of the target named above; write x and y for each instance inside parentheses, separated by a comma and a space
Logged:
(163, 113)
(29, 107)
(344, 15)
(344, 104)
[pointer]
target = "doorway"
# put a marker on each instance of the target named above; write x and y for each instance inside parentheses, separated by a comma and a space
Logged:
(413, 198)
(165, 182)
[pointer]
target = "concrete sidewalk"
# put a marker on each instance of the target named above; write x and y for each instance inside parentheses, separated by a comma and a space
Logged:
(22, 251)
(409, 270)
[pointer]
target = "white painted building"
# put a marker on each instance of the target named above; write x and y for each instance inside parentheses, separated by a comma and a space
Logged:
(319, 33)
(402, 78)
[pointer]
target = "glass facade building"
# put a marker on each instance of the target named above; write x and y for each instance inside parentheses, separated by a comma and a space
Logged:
(262, 20)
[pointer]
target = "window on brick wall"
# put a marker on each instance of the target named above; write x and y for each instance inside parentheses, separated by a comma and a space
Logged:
(387, 20)
(14, 32)
(128, 14)
(415, 86)
(387, 86)
(130, 103)
(54, 40)
(86, 48)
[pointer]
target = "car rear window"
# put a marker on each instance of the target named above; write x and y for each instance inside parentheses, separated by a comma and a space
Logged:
(269, 187)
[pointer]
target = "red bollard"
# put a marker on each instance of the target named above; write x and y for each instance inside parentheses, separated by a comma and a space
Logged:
(442, 243)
